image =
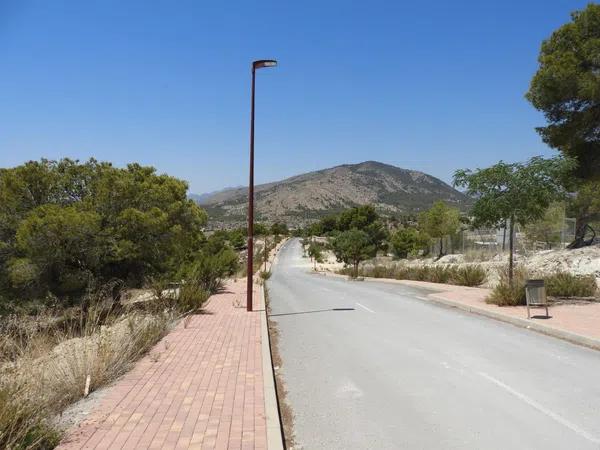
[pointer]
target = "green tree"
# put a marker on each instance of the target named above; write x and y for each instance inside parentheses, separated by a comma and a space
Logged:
(515, 193)
(366, 219)
(279, 229)
(586, 203)
(315, 252)
(61, 246)
(439, 221)
(353, 246)
(566, 88)
(260, 229)
(237, 239)
(409, 241)
(65, 222)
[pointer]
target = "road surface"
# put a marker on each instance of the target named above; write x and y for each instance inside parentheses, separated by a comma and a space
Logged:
(368, 365)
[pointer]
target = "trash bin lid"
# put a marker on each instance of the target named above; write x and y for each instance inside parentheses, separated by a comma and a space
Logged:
(534, 283)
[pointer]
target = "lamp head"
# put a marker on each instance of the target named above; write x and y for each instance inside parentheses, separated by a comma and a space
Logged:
(263, 63)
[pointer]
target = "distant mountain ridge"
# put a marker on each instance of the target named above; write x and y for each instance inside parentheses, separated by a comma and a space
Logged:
(203, 198)
(303, 198)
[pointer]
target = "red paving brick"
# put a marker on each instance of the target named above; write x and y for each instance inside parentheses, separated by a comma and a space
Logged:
(200, 387)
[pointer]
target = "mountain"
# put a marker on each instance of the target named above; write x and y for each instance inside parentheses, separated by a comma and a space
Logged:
(201, 199)
(303, 198)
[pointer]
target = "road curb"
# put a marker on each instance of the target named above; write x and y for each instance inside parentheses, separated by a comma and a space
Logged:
(568, 336)
(275, 439)
(522, 323)
(274, 434)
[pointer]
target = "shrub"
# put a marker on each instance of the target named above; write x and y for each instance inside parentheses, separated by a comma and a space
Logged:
(191, 297)
(265, 275)
(563, 284)
(507, 294)
(469, 276)
(210, 271)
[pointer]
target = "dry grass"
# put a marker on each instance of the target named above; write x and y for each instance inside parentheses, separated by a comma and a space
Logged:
(563, 284)
(506, 293)
(45, 360)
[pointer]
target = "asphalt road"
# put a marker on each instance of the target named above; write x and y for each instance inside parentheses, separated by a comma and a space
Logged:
(368, 365)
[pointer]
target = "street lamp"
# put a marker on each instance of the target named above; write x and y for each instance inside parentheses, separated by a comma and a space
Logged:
(255, 65)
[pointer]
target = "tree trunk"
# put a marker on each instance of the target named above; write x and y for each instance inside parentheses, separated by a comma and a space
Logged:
(511, 245)
(356, 269)
(504, 238)
(441, 247)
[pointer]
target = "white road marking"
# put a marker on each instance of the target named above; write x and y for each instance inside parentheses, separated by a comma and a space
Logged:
(365, 308)
(541, 409)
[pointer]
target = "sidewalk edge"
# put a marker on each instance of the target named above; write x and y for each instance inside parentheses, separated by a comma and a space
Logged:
(275, 439)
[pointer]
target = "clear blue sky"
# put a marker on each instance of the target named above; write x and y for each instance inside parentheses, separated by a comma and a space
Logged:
(432, 86)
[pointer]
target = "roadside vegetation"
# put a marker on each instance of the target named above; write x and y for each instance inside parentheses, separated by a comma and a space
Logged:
(472, 275)
(558, 285)
(97, 263)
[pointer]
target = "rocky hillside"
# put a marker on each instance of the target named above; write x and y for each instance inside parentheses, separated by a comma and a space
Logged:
(303, 198)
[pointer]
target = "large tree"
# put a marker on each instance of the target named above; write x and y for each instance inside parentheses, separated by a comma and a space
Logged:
(566, 88)
(515, 193)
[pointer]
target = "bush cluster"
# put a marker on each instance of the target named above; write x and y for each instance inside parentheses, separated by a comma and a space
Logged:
(473, 275)
(563, 284)
(558, 284)
(65, 224)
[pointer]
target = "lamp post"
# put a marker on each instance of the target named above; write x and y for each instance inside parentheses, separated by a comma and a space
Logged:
(255, 65)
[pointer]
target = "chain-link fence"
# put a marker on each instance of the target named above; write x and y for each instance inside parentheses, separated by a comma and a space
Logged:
(491, 241)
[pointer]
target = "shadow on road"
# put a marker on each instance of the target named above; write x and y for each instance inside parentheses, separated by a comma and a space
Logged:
(310, 312)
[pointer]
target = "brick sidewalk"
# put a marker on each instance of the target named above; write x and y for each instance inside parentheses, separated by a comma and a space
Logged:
(201, 387)
(582, 319)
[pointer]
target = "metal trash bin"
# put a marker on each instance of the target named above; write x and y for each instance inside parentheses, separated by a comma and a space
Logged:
(535, 293)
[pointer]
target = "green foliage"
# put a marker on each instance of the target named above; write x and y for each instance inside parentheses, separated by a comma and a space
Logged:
(352, 247)
(439, 221)
(315, 251)
(586, 203)
(566, 89)
(260, 229)
(237, 239)
(279, 229)
(191, 297)
(265, 274)
(64, 223)
(564, 284)
(520, 191)
(517, 192)
(210, 270)
(363, 218)
(409, 241)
